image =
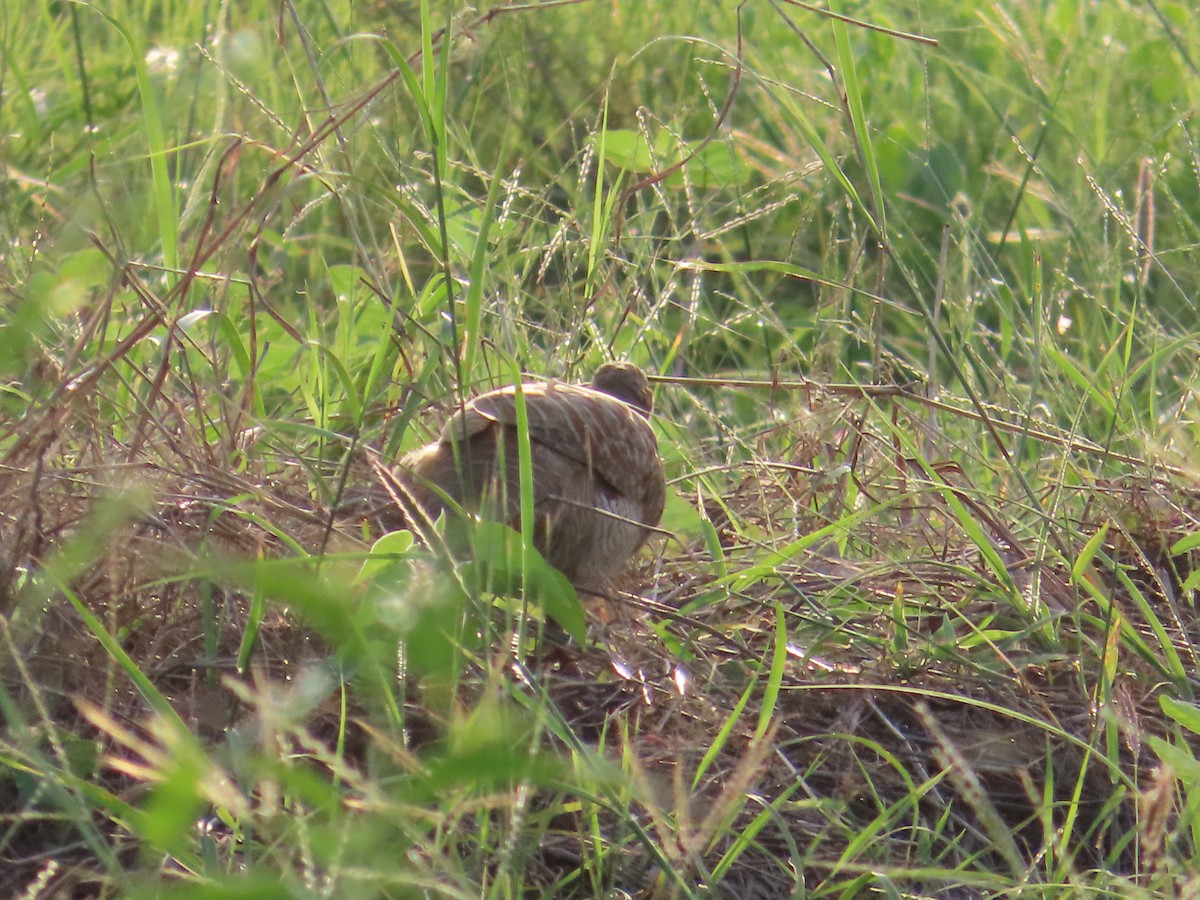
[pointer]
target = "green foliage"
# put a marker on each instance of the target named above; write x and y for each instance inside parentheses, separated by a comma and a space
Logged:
(238, 246)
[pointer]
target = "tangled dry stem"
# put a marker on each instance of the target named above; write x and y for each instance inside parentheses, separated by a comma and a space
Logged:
(911, 677)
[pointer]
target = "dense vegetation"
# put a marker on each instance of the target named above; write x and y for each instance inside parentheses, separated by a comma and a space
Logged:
(917, 282)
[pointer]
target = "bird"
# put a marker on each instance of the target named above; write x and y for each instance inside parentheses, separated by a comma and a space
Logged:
(598, 485)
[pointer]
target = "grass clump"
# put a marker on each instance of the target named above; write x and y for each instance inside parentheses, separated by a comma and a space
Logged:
(916, 286)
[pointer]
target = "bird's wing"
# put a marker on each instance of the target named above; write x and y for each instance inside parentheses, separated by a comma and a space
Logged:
(594, 429)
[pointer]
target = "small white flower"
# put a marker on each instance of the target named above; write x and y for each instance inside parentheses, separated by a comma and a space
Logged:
(162, 60)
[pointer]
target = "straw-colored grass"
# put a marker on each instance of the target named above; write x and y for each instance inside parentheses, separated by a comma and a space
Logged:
(916, 286)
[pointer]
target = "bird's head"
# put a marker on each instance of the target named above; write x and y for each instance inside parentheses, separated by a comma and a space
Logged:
(626, 382)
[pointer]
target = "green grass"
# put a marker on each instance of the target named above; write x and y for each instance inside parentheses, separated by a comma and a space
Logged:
(924, 324)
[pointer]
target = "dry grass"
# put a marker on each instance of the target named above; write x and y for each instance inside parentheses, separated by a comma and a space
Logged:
(927, 625)
(918, 700)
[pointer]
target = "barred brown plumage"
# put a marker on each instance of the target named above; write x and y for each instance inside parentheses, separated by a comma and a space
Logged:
(597, 479)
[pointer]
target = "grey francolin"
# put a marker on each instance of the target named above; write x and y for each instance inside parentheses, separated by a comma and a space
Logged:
(598, 482)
